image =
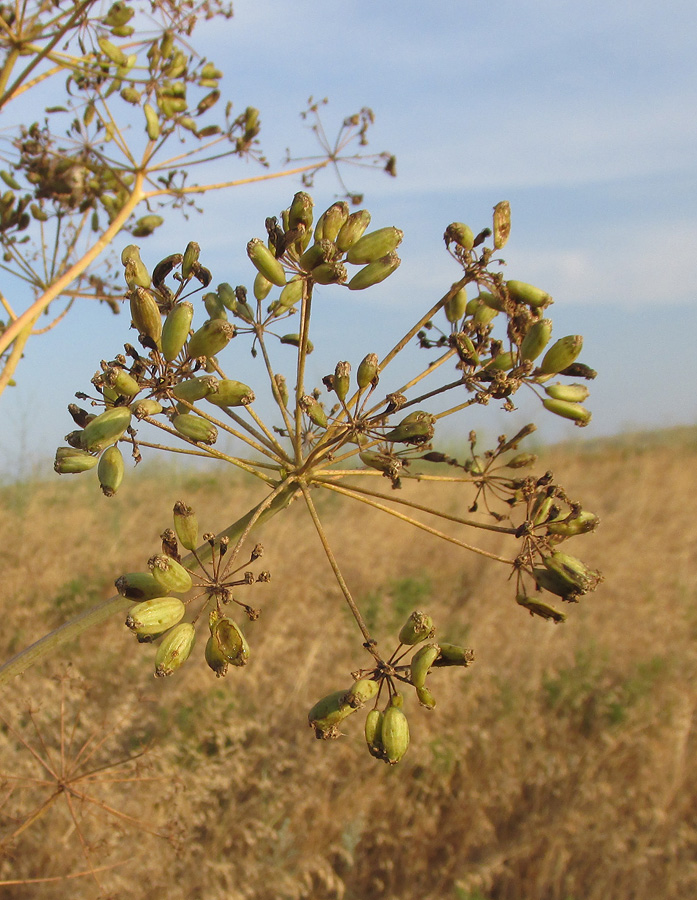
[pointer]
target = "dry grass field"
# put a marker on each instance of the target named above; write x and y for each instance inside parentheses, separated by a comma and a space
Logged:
(561, 766)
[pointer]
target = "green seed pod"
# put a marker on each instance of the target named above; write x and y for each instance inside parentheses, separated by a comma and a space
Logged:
(331, 221)
(380, 461)
(189, 260)
(195, 388)
(262, 287)
(421, 663)
(211, 338)
(155, 616)
(581, 523)
(195, 428)
(532, 296)
(148, 407)
(522, 461)
(106, 428)
(169, 574)
(131, 95)
(342, 380)
(538, 608)
(352, 229)
(455, 306)
(374, 272)
(292, 293)
(300, 212)
(536, 339)
(111, 51)
(231, 393)
(139, 586)
(452, 655)
(111, 470)
(152, 122)
(330, 273)
(214, 306)
(136, 273)
(282, 387)
(426, 698)
(175, 649)
(9, 180)
(327, 713)
(416, 428)
(373, 733)
(72, 461)
(361, 692)
(368, 371)
(502, 223)
(371, 247)
(186, 525)
(38, 213)
(175, 331)
(578, 414)
(483, 314)
(574, 393)
(491, 300)
(294, 341)
(227, 296)
(121, 381)
(460, 234)
(226, 645)
(265, 262)
(417, 628)
(146, 225)
(320, 252)
(555, 584)
(575, 572)
(314, 411)
(394, 734)
(561, 354)
(146, 314)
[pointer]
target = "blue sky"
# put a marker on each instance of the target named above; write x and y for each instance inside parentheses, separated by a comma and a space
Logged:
(582, 115)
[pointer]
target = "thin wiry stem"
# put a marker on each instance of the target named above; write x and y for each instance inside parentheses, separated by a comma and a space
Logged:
(417, 524)
(335, 567)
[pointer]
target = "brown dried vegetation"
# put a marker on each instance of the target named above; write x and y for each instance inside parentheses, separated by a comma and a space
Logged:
(559, 767)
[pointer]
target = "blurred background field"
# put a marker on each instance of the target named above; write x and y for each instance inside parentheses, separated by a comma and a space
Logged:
(559, 767)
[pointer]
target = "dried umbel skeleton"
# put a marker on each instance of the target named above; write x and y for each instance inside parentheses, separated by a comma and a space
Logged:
(493, 338)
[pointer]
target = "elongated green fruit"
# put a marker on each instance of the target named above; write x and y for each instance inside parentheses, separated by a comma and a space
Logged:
(561, 354)
(214, 306)
(460, 234)
(426, 698)
(456, 305)
(493, 301)
(292, 293)
(175, 649)
(294, 341)
(146, 314)
(342, 379)
(9, 180)
(155, 616)
(538, 608)
(139, 586)
(368, 371)
(229, 641)
(374, 245)
(361, 692)
(502, 223)
(111, 470)
(186, 525)
(417, 628)
(121, 381)
(536, 339)
(374, 272)
(211, 338)
(352, 229)
(581, 523)
(169, 574)
(529, 294)
(421, 662)
(575, 393)
(314, 410)
(572, 570)
(394, 734)
(231, 393)
(416, 428)
(175, 331)
(331, 221)
(195, 388)
(72, 461)
(453, 655)
(320, 252)
(578, 414)
(265, 262)
(146, 407)
(483, 314)
(373, 733)
(111, 51)
(152, 122)
(106, 428)
(262, 287)
(300, 212)
(328, 713)
(195, 428)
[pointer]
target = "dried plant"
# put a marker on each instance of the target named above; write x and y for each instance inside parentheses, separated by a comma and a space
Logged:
(173, 394)
(136, 113)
